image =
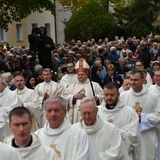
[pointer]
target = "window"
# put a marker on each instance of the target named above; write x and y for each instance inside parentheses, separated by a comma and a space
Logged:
(48, 29)
(3, 34)
(34, 25)
(19, 32)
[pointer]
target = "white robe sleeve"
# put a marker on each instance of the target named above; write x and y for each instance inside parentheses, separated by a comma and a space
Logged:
(117, 148)
(83, 148)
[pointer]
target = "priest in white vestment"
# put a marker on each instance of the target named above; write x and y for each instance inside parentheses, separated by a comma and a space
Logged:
(8, 153)
(8, 101)
(104, 137)
(79, 89)
(30, 100)
(124, 117)
(47, 88)
(148, 80)
(70, 77)
(148, 112)
(28, 145)
(69, 142)
(156, 89)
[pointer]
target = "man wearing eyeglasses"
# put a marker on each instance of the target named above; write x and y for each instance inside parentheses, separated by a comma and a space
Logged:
(81, 88)
(104, 137)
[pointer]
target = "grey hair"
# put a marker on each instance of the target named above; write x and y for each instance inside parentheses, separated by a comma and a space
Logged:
(3, 80)
(6, 76)
(86, 99)
(59, 99)
(18, 76)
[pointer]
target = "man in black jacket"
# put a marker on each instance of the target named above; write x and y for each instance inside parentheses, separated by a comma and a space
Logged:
(144, 55)
(46, 45)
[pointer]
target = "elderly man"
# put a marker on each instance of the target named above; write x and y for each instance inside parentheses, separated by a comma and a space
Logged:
(145, 103)
(8, 153)
(81, 88)
(29, 99)
(126, 84)
(113, 110)
(122, 69)
(69, 142)
(103, 136)
(28, 145)
(8, 101)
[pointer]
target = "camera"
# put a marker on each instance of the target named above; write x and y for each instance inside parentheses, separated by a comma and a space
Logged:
(34, 39)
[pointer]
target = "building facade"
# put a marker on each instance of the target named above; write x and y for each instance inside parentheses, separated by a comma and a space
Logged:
(17, 33)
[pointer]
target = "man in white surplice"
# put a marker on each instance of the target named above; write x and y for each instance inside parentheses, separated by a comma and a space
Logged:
(156, 89)
(69, 142)
(8, 101)
(70, 77)
(81, 88)
(124, 117)
(104, 137)
(29, 99)
(148, 111)
(28, 145)
(47, 88)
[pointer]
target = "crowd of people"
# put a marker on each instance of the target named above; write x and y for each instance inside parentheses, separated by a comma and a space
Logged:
(93, 100)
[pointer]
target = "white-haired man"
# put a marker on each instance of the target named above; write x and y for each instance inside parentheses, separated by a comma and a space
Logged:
(81, 88)
(69, 142)
(104, 137)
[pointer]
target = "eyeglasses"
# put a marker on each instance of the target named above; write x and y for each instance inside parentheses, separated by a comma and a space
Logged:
(87, 113)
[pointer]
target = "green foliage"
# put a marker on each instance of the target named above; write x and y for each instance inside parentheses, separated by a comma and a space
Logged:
(77, 4)
(137, 18)
(15, 10)
(91, 21)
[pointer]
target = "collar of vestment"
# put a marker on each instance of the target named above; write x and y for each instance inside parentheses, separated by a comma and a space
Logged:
(109, 107)
(103, 107)
(14, 144)
(50, 131)
(93, 128)
(47, 83)
(142, 92)
(21, 91)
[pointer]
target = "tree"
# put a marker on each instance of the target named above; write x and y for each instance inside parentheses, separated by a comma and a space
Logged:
(91, 21)
(137, 17)
(15, 10)
(77, 4)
